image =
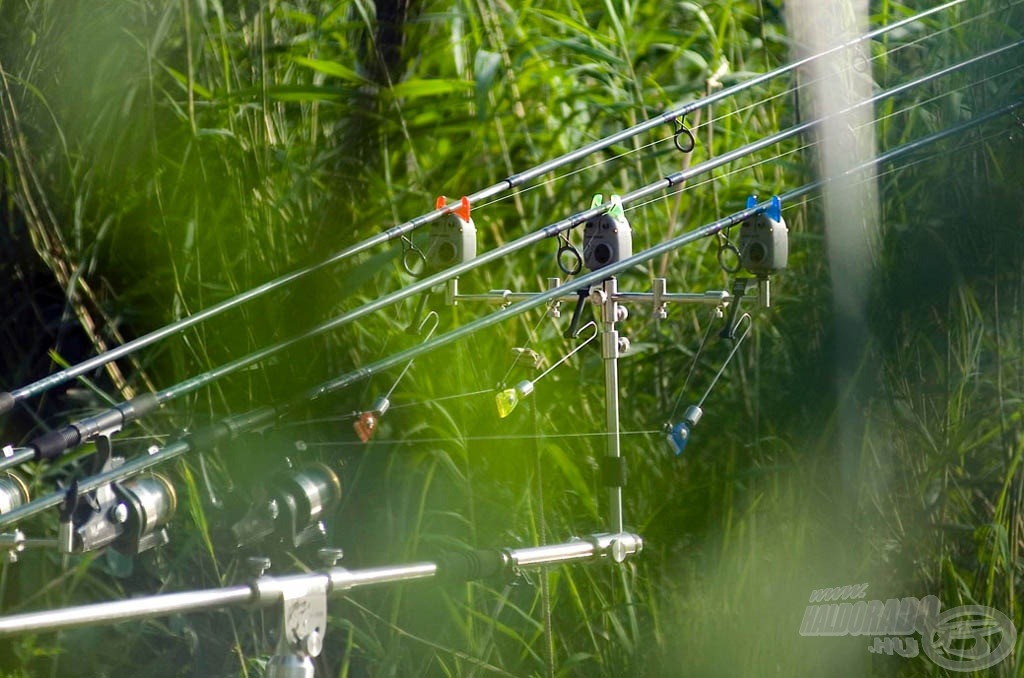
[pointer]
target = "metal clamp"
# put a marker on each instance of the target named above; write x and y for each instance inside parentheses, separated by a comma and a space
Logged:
(303, 621)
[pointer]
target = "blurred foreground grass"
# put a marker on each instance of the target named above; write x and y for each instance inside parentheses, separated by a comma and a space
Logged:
(158, 157)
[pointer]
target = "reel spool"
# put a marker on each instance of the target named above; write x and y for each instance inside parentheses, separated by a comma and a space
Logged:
(151, 503)
(13, 492)
(294, 509)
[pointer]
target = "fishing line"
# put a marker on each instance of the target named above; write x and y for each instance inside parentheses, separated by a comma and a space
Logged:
(532, 336)
(367, 421)
(960, 148)
(490, 438)
(701, 347)
(728, 358)
(718, 177)
(845, 70)
(693, 363)
(914, 105)
(349, 416)
(578, 170)
(804, 147)
(507, 399)
(814, 143)
(650, 253)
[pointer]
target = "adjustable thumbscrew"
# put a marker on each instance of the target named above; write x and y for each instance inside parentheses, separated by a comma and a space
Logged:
(329, 556)
(313, 644)
(257, 565)
(119, 513)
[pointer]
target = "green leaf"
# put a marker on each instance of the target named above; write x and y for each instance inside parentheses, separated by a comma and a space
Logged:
(331, 68)
(422, 87)
(485, 69)
(183, 79)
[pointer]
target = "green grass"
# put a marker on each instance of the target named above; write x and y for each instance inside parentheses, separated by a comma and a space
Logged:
(159, 157)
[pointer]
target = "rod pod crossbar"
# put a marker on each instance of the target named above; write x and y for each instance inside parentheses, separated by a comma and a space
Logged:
(54, 443)
(9, 399)
(234, 425)
(302, 598)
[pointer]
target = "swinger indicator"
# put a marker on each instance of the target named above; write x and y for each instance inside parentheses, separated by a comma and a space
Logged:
(507, 399)
(679, 434)
(367, 422)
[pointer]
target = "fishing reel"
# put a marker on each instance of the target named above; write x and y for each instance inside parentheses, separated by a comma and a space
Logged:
(131, 516)
(13, 492)
(608, 238)
(293, 508)
(452, 239)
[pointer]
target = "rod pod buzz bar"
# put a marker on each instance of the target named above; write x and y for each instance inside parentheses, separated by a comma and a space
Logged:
(302, 598)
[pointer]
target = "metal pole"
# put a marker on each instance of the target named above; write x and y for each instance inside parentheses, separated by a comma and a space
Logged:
(9, 399)
(124, 610)
(345, 580)
(266, 591)
(16, 456)
(610, 349)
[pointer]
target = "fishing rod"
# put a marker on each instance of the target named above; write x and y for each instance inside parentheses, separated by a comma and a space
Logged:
(53, 444)
(235, 425)
(8, 399)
